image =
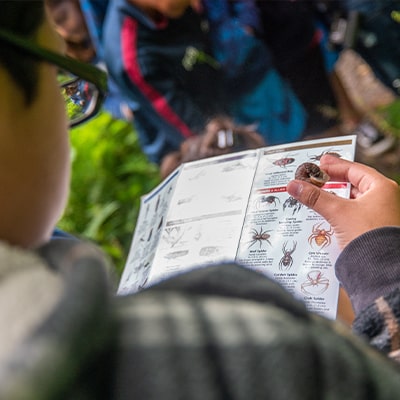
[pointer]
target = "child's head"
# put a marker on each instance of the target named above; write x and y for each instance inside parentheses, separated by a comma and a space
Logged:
(34, 148)
(70, 23)
(24, 18)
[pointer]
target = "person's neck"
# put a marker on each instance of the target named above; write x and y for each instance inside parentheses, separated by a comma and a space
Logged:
(156, 16)
(150, 11)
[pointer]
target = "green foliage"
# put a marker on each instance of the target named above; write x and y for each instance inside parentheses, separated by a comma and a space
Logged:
(109, 174)
(391, 115)
(72, 109)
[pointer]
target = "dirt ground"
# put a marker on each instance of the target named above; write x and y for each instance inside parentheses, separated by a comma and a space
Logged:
(388, 163)
(366, 94)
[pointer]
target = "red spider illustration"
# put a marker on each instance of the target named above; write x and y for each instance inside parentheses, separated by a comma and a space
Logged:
(282, 162)
(321, 237)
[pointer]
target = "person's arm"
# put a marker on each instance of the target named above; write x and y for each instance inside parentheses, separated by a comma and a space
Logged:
(159, 75)
(367, 227)
(148, 73)
(160, 96)
(249, 15)
(369, 268)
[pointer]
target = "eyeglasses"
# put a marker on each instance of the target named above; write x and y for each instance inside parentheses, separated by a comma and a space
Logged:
(82, 85)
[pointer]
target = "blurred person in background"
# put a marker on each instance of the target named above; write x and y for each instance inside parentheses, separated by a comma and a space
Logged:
(289, 31)
(161, 54)
(80, 24)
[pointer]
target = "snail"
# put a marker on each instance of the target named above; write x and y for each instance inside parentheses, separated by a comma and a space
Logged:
(312, 173)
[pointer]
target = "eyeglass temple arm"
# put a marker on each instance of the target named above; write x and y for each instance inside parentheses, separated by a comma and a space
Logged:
(83, 70)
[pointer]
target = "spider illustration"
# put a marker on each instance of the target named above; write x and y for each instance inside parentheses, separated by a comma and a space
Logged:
(173, 235)
(321, 237)
(330, 152)
(291, 202)
(287, 261)
(259, 237)
(315, 284)
(261, 201)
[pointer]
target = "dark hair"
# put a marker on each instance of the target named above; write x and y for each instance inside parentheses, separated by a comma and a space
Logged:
(54, 3)
(22, 17)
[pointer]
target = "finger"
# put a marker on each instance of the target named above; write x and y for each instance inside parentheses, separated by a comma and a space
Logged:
(211, 135)
(190, 149)
(359, 175)
(354, 193)
(252, 139)
(209, 139)
(319, 200)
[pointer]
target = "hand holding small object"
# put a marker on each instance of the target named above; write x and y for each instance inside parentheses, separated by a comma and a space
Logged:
(374, 201)
(220, 136)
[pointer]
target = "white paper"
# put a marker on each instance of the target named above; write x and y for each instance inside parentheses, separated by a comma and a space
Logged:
(236, 208)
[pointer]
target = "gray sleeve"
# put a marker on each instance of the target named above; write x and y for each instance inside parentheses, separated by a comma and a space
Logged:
(369, 266)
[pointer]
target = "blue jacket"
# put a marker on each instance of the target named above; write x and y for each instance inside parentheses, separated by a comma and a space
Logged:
(169, 69)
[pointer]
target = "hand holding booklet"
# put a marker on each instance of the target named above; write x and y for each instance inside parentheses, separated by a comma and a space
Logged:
(235, 207)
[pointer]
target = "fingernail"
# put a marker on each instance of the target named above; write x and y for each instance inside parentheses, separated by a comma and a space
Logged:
(295, 188)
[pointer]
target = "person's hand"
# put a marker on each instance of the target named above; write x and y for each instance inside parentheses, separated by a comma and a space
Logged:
(190, 150)
(197, 147)
(374, 200)
(169, 163)
(221, 136)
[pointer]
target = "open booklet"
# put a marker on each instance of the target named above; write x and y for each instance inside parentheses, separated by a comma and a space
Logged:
(236, 208)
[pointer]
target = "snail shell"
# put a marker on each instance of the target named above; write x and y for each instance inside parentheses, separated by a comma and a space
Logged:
(312, 173)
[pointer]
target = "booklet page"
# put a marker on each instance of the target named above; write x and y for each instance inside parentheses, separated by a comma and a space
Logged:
(286, 240)
(236, 208)
(206, 214)
(148, 230)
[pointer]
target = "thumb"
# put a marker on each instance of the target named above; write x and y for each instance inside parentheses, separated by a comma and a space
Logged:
(319, 200)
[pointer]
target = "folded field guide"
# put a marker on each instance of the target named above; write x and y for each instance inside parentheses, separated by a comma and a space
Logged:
(236, 208)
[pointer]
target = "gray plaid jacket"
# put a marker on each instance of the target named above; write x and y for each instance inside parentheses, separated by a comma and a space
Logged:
(221, 332)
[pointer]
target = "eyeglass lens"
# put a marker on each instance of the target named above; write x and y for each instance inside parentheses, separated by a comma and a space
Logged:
(80, 97)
